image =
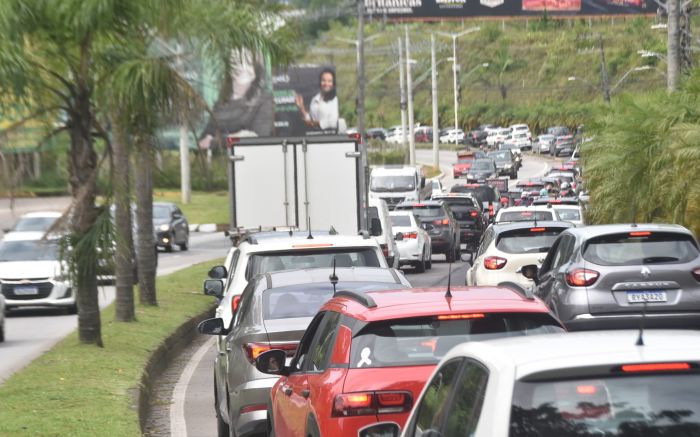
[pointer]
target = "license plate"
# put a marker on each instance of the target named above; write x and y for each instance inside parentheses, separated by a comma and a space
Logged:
(26, 291)
(646, 296)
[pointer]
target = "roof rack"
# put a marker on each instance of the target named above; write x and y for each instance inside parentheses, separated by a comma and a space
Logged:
(524, 292)
(242, 235)
(358, 296)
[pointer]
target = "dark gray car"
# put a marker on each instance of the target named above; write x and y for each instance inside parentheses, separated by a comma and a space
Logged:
(437, 218)
(482, 169)
(171, 226)
(505, 163)
(602, 277)
(275, 309)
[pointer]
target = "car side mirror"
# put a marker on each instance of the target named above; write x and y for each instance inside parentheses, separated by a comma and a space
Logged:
(387, 429)
(531, 271)
(375, 227)
(467, 257)
(217, 272)
(214, 287)
(398, 236)
(212, 327)
(272, 362)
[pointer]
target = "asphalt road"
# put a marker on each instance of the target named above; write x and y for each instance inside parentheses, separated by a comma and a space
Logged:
(29, 333)
(185, 394)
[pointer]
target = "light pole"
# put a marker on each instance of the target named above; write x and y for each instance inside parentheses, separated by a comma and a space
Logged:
(632, 70)
(454, 37)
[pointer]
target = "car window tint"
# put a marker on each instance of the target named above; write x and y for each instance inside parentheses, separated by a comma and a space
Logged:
(519, 216)
(305, 344)
(569, 214)
(286, 303)
(465, 408)
(528, 240)
(425, 211)
(400, 220)
(547, 263)
(232, 267)
(433, 407)
(308, 259)
(636, 248)
(323, 342)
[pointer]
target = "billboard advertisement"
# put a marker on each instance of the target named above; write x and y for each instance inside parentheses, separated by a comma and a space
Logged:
(254, 102)
(442, 9)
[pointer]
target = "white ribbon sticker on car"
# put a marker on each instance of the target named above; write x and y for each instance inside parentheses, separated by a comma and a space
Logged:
(364, 357)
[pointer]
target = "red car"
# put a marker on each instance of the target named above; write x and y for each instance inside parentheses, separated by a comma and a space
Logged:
(366, 356)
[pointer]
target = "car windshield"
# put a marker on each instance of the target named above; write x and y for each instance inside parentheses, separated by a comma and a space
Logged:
(569, 214)
(636, 248)
(425, 340)
(424, 211)
(29, 251)
(654, 405)
(400, 220)
(34, 224)
(307, 259)
(528, 240)
(500, 156)
(520, 216)
(482, 165)
(484, 193)
(393, 183)
(161, 212)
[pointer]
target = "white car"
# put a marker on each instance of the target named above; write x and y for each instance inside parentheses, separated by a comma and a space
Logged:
(413, 241)
(380, 229)
(31, 273)
(525, 213)
(521, 129)
(453, 136)
(35, 222)
(580, 384)
(437, 187)
(395, 135)
(506, 248)
(497, 137)
(544, 142)
(569, 213)
(520, 140)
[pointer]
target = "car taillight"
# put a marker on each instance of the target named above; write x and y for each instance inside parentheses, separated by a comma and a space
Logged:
(581, 277)
(696, 274)
(371, 403)
(253, 350)
(494, 263)
(442, 222)
(385, 250)
(656, 367)
(235, 302)
(491, 212)
(411, 235)
(474, 214)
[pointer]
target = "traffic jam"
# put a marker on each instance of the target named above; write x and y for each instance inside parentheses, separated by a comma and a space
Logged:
(558, 328)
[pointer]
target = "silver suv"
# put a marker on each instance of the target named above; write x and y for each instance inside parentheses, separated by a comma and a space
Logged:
(275, 309)
(603, 277)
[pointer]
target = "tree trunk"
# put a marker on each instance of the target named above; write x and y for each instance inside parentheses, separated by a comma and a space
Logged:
(124, 259)
(83, 180)
(145, 243)
(673, 54)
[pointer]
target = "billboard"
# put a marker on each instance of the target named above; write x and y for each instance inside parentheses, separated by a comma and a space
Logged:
(442, 9)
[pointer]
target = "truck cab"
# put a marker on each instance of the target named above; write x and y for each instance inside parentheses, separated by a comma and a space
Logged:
(396, 184)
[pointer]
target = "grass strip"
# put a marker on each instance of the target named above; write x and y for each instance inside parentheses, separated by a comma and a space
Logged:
(78, 390)
(206, 207)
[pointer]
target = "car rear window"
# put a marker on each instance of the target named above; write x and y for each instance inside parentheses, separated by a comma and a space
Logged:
(307, 259)
(34, 224)
(636, 248)
(483, 193)
(522, 216)
(287, 304)
(529, 240)
(400, 220)
(569, 214)
(425, 340)
(457, 201)
(424, 211)
(640, 406)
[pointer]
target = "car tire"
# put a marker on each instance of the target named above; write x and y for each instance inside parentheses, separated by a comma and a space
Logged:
(186, 244)
(312, 428)
(2, 332)
(169, 248)
(73, 309)
(429, 259)
(420, 265)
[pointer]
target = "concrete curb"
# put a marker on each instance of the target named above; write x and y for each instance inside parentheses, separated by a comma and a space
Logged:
(161, 358)
(209, 227)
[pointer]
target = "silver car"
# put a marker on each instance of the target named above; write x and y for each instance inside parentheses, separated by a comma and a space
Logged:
(604, 277)
(274, 311)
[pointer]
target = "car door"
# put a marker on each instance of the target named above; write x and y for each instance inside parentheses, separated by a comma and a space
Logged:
(464, 408)
(180, 225)
(552, 274)
(479, 258)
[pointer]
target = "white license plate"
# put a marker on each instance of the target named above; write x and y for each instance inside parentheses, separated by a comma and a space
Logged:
(646, 296)
(26, 291)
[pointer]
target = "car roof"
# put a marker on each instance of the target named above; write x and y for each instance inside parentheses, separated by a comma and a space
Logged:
(39, 214)
(27, 236)
(541, 353)
(593, 231)
(421, 203)
(526, 208)
(299, 241)
(422, 302)
(289, 278)
(525, 224)
(394, 169)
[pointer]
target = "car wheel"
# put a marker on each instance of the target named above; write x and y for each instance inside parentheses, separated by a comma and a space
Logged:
(2, 331)
(186, 245)
(169, 248)
(222, 428)
(429, 262)
(73, 309)
(420, 265)
(312, 428)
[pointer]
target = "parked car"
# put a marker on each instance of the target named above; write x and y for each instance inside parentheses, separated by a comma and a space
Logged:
(366, 356)
(35, 222)
(440, 223)
(544, 142)
(469, 215)
(171, 226)
(558, 131)
(580, 384)
(563, 145)
(607, 276)
(497, 137)
(380, 228)
(506, 163)
(423, 134)
(414, 243)
(377, 133)
(521, 129)
(275, 310)
(507, 247)
(520, 140)
(453, 136)
(32, 274)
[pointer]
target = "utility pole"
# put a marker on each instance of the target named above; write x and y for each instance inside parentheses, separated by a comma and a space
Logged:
(436, 128)
(605, 82)
(402, 85)
(185, 184)
(454, 75)
(409, 89)
(364, 170)
(673, 60)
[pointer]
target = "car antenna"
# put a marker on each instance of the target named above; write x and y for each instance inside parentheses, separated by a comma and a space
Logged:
(448, 293)
(535, 213)
(333, 277)
(308, 222)
(291, 232)
(640, 339)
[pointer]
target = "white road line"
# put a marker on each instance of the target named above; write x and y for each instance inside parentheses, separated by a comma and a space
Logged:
(178, 423)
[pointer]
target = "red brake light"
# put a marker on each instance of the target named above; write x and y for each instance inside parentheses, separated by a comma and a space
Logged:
(474, 214)
(235, 302)
(411, 235)
(526, 214)
(586, 389)
(581, 277)
(371, 403)
(494, 263)
(640, 234)
(312, 245)
(385, 250)
(442, 222)
(253, 350)
(419, 205)
(656, 367)
(461, 316)
(537, 229)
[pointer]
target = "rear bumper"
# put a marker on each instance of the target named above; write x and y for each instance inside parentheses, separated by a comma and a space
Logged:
(255, 392)
(409, 251)
(653, 320)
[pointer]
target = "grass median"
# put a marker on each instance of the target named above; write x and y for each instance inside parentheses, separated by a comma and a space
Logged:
(77, 390)
(206, 207)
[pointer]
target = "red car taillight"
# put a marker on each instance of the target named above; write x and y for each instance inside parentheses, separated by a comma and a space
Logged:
(494, 263)
(442, 222)
(253, 350)
(411, 235)
(371, 403)
(235, 302)
(473, 214)
(696, 274)
(581, 277)
(385, 250)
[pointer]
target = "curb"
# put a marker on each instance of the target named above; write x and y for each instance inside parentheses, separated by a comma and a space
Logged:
(161, 358)
(209, 227)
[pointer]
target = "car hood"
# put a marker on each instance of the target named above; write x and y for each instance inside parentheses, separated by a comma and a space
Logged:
(29, 269)
(158, 222)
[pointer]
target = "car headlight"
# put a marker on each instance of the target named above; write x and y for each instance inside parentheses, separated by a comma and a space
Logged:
(508, 166)
(164, 227)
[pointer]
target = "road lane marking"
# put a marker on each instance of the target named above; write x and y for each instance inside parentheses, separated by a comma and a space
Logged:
(178, 423)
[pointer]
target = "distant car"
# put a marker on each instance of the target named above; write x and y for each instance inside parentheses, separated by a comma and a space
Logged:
(380, 229)
(580, 384)
(366, 356)
(563, 145)
(377, 133)
(607, 276)
(423, 134)
(413, 242)
(35, 222)
(521, 129)
(505, 163)
(507, 247)
(440, 223)
(490, 197)
(171, 226)
(468, 212)
(558, 131)
(544, 142)
(497, 137)
(481, 170)
(453, 136)
(32, 274)
(436, 186)
(520, 140)
(568, 209)
(525, 213)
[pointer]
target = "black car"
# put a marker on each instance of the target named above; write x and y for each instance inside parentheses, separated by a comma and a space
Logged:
(376, 134)
(469, 215)
(482, 169)
(489, 197)
(505, 163)
(437, 218)
(170, 226)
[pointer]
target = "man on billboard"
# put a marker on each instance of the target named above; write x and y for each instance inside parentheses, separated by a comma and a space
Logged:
(323, 109)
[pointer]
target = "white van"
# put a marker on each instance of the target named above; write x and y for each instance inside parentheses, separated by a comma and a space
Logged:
(397, 183)
(380, 229)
